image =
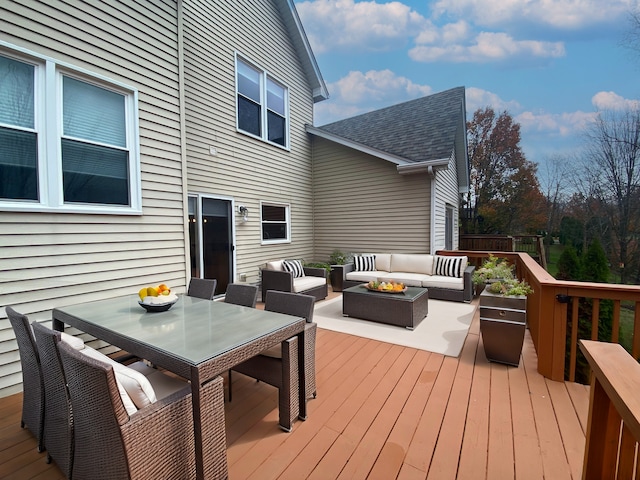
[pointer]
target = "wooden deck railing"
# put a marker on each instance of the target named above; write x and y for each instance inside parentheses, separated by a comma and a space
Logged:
(552, 312)
(531, 244)
(613, 430)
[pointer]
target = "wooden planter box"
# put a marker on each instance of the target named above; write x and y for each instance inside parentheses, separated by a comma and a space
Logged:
(503, 321)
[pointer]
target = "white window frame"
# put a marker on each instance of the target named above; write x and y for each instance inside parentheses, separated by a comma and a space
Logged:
(264, 124)
(48, 123)
(287, 209)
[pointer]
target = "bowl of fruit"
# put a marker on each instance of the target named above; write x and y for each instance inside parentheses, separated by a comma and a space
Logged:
(386, 287)
(157, 299)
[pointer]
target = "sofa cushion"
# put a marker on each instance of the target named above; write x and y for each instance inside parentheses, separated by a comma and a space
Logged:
(412, 263)
(302, 284)
(294, 267)
(364, 277)
(383, 261)
(275, 265)
(450, 266)
(439, 281)
(409, 279)
(364, 263)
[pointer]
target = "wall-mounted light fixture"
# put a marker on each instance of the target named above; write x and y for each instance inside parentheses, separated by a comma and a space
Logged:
(244, 211)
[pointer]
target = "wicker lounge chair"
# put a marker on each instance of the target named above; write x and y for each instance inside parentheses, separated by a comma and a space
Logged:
(58, 422)
(156, 441)
(32, 379)
(202, 288)
(277, 366)
(241, 294)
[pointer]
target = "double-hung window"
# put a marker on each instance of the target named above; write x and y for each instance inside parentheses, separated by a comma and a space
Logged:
(262, 104)
(67, 139)
(275, 223)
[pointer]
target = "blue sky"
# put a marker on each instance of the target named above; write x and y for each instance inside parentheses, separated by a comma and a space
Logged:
(552, 64)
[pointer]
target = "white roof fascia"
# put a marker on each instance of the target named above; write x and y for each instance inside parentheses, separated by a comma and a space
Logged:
(320, 91)
(395, 159)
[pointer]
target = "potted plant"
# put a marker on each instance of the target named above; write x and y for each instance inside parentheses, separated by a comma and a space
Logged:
(493, 269)
(503, 319)
(335, 259)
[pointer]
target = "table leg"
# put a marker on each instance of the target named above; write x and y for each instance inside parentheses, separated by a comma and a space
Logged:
(197, 423)
(302, 382)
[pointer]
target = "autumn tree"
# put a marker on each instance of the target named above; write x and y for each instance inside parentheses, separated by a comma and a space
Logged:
(505, 195)
(612, 179)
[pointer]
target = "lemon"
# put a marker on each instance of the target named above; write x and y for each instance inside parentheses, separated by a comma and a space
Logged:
(142, 293)
(152, 291)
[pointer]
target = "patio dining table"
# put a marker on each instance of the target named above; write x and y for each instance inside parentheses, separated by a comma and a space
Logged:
(196, 339)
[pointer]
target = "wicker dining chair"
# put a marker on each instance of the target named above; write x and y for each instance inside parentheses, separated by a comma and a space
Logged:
(156, 441)
(241, 294)
(278, 367)
(202, 288)
(58, 421)
(32, 378)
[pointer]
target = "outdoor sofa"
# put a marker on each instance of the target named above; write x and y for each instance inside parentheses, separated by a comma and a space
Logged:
(446, 277)
(291, 276)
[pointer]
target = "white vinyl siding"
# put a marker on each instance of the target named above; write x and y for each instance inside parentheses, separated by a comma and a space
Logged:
(446, 194)
(362, 204)
(49, 260)
(247, 169)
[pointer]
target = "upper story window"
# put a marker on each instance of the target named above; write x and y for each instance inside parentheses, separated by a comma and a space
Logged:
(66, 140)
(262, 105)
(275, 223)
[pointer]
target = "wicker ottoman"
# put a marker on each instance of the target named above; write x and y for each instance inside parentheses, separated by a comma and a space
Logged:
(402, 309)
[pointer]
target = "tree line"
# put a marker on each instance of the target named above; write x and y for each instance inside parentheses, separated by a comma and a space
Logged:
(591, 196)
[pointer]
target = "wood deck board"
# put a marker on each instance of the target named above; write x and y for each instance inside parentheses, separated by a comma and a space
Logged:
(382, 412)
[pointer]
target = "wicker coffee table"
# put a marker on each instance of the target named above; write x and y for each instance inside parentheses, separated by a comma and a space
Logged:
(403, 309)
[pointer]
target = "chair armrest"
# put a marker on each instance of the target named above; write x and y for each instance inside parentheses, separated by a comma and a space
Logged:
(468, 283)
(315, 272)
(276, 280)
(338, 275)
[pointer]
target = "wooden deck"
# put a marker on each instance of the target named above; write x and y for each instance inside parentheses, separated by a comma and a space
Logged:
(384, 411)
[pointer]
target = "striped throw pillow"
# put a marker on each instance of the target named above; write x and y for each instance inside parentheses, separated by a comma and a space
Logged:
(364, 263)
(449, 266)
(293, 266)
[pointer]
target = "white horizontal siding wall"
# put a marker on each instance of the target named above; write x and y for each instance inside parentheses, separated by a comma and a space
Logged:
(246, 169)
(362, 204)
(446, 194)
(50, 260)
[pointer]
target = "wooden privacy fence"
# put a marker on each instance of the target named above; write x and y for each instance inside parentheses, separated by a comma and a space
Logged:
(552, 312)
(613, 429)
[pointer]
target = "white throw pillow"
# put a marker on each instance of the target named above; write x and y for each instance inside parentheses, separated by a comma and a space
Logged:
(72, 341)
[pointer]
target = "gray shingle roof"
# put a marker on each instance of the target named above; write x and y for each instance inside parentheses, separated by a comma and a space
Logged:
(418, 130)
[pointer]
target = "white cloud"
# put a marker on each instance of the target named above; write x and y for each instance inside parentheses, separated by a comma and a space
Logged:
(334, 24)
(360, 92)
(557, 14)
(562, 124)
(478, 98)
(613, 101)
(487, 47)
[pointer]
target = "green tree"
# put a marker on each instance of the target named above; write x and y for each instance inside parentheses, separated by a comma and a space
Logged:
(569, 267)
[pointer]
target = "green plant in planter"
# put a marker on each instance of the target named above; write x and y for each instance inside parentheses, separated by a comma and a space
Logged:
(339, 258)
(493, 268)
(510, 288)
(326, 266)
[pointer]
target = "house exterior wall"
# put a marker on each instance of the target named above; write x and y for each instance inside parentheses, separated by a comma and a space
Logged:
(361, 204)
(244, 168)
(49, 260)
(446, 194)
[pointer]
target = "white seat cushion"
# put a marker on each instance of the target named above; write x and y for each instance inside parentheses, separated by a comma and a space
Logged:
(136, 386)
(74, 342)
(301, 284)
(365, 277)
(409, 279)
(439, 281)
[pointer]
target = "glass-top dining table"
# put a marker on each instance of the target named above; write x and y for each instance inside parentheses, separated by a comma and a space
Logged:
(196, 339)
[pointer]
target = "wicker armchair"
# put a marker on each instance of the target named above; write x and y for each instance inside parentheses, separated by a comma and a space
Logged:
(241, 294)
(155, 442)
(279, 367)
(58, 422)
(202, 288)
(32, 378)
